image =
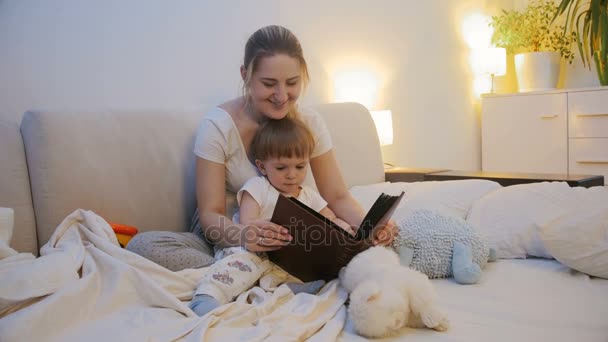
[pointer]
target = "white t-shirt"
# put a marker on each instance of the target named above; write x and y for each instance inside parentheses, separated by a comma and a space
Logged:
(218, 140)
(266, 196)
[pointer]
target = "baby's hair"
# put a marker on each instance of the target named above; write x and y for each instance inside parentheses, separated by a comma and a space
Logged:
(284, 138)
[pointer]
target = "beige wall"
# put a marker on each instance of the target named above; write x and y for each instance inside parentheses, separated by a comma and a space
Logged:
(176, 54)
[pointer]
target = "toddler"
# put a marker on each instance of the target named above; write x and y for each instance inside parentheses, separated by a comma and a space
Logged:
(282, 151)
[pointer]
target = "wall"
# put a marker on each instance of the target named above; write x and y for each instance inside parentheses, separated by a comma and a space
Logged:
(180, 54)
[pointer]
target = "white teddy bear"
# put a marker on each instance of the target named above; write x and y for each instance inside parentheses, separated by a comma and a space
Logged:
(385, 296)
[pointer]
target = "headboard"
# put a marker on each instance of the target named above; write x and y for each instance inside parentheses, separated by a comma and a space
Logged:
(138, 167)
(355, 141)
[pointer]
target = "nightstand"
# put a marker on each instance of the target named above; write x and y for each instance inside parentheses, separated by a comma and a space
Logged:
(408, 174)
(506, 179)
(562, 131)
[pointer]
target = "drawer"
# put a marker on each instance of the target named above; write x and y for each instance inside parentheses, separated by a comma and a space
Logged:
(589, 156)
(588, 114)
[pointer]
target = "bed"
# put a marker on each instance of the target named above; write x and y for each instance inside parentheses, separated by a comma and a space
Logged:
(85, 287)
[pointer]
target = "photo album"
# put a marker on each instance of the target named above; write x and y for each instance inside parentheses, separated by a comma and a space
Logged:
(320, 248)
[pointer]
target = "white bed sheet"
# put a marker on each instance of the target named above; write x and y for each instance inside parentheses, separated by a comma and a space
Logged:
(516, 300)
(519, 300)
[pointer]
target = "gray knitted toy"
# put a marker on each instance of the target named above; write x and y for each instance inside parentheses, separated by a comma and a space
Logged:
(441, 246)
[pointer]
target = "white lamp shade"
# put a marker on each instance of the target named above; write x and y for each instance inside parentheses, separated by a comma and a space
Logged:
(383, 119)
(494, 61)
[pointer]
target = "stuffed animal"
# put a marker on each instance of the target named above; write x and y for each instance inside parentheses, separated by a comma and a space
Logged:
(385, 296)
(442, 246)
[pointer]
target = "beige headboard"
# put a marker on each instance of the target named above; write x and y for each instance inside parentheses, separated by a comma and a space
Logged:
(355, 142)
(134, 168)
(138, 167)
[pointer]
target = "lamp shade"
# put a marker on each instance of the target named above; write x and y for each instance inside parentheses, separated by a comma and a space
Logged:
(494, 61)
(383, 119)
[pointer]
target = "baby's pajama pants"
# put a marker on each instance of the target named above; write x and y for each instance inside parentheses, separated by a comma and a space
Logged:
(236, 271)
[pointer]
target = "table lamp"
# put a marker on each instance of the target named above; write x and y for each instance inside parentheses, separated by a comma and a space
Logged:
(383, 119)
(494, 63)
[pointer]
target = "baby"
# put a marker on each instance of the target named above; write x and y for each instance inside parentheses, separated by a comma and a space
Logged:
(282, 150)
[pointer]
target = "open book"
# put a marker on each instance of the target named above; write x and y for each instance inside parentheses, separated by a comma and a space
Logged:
(320, 248)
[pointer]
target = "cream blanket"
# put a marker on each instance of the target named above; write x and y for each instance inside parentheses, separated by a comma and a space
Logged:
(84, 287)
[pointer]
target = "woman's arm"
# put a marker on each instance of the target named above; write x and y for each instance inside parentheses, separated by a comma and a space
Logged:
(219, 229)
(331, 186)
(340, 222)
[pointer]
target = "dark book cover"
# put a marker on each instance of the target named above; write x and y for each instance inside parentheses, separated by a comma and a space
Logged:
(320, 248)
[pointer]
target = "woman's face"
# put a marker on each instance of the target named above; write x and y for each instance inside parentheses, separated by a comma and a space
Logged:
(275, 86)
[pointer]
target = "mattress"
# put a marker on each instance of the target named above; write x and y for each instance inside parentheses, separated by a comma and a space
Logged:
(518, 300)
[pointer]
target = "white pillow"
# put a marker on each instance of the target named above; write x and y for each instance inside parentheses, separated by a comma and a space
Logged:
(507, 218)
(453, 198)
(579, 238)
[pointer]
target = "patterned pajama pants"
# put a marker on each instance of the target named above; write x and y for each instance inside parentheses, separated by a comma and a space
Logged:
(236, 271)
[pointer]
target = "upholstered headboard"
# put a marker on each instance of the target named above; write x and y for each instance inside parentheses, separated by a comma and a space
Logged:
(355, 140)
(15, 188)
(130, 167)
(138, 167)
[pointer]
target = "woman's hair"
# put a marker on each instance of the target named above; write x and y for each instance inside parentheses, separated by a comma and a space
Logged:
(269, 41)
(288, 137)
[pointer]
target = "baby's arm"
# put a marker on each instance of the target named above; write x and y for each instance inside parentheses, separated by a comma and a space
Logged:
(249, 209)
(341, 223)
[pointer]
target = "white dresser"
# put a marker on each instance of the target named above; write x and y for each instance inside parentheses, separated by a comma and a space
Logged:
(561, 131)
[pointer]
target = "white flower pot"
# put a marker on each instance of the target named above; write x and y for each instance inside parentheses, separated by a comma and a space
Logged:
(537, 70)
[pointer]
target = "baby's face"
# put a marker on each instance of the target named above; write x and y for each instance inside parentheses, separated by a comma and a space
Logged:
(285, 174)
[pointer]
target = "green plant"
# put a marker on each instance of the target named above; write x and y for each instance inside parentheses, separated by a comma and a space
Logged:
(531, 30)
(592, 35)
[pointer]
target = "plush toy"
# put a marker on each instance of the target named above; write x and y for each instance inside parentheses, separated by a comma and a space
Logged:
(442, 246)
(124, 233)
(386, 296)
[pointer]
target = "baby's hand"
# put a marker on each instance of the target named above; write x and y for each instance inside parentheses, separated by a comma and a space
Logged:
(345, 226)
(340, 222)
(386, 234)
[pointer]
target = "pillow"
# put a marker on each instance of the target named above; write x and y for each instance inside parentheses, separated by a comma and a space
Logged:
(507, 218)
(452, 198)
(579, 238)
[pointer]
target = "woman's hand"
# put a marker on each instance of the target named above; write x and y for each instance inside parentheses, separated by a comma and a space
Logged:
(264, 236)
(386, 234)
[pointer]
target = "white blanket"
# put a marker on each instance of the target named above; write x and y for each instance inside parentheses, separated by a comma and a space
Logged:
(84, 287)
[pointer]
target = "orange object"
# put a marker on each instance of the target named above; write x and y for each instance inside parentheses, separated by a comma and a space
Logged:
(124, 233)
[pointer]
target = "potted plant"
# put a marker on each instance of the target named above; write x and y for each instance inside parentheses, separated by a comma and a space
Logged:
(537, 44)
(592, 36)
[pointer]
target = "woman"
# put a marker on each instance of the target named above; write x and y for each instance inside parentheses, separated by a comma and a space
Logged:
(274, 74)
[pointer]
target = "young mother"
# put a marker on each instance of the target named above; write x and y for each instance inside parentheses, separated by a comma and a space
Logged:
(274, 73)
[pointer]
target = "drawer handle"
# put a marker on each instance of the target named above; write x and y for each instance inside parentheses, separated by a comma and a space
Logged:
(548, 116)
(590, 115)
(591, 161)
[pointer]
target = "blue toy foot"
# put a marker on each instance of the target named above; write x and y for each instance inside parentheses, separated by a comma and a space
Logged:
(406, 255)
(465, 271)
(493, 256)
